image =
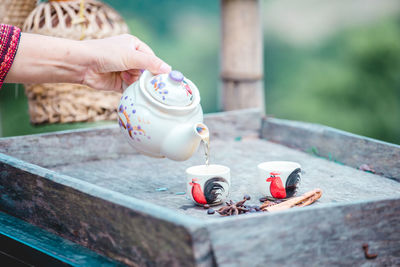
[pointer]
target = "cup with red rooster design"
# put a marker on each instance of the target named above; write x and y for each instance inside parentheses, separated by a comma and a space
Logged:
(208, 184)
(278, 179)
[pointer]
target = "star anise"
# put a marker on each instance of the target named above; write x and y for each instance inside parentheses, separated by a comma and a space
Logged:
(232, 208)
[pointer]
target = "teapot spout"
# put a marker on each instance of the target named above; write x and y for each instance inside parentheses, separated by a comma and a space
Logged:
(183, 141)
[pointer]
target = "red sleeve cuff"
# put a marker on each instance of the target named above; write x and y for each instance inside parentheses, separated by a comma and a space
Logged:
(9, 40)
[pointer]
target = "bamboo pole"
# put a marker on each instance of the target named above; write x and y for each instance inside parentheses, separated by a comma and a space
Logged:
(241, 55)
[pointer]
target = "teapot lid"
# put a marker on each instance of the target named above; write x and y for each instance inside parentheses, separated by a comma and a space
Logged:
(171, 89)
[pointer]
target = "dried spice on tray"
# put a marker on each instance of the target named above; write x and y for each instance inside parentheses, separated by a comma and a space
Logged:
(237, 208)
(270, 205)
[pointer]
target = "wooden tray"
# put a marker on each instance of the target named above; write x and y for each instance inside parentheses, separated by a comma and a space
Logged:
(91, 187)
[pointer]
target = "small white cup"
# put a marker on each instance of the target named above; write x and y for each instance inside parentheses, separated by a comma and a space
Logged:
(278, 179)
(208, 184)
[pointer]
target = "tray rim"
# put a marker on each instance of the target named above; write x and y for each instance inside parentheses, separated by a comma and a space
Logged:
(200, 230)
(162, 213)
(167, 213)
(96, 191)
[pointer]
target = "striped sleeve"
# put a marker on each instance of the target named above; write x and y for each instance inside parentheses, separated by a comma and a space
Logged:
(9, 40)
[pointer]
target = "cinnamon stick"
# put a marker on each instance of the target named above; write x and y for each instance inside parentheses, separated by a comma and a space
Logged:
(301, 201)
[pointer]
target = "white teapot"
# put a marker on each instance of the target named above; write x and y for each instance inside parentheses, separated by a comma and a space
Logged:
(161, 116)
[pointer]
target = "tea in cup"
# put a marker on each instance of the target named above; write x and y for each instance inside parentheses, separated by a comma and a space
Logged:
(278, 179)
(208, 184)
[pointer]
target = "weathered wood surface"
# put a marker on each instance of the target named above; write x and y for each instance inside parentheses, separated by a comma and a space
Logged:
(54, 149)
(105, 221)
(232, 124)
(241, 54)
(350, 149)
(74, 146)
(101, 194)
(139, 176)
(330, 235)
(46, 249)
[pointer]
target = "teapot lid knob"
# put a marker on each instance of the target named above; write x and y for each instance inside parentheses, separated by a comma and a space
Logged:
(176, 76)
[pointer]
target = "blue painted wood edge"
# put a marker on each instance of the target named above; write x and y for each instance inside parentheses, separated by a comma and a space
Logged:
(50, 244)
(152, 210)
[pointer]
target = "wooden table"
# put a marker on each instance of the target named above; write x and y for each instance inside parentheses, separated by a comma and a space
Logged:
(90, 187)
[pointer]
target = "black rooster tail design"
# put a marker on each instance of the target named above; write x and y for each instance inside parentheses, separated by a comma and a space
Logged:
(292, 182)
(213, 189)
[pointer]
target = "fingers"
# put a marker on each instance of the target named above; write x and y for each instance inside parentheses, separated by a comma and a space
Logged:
(127, 53)
(143, 47)
(129, 77)
(135, 72)
(140, 60)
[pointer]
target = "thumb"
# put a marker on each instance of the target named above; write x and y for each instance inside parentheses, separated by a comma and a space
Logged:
(140, 60)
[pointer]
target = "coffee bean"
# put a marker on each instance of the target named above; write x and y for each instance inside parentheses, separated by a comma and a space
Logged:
(210, 211)
(206, 206)
(247, 197)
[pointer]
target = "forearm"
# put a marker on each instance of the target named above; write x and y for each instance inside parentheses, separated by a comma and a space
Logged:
(101, 64)
(42, 59)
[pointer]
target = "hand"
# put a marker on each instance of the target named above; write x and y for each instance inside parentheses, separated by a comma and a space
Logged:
(117, 59)
(101, 64)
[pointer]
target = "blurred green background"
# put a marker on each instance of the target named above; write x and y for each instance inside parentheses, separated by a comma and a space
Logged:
(334, 62)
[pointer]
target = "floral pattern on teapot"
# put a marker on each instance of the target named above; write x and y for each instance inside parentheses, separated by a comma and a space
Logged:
(160, 115)
(136, 132)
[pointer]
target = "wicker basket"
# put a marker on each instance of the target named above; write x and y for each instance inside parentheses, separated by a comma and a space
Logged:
(70, 103)
(14, 12)
(76, 19)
